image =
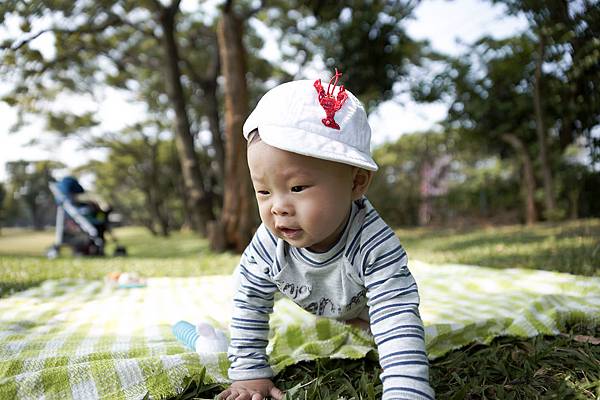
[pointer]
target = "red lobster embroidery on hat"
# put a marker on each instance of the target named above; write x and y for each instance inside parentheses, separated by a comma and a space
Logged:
(330, 103)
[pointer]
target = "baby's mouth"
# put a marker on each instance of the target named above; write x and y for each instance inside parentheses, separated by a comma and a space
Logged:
(290, 233)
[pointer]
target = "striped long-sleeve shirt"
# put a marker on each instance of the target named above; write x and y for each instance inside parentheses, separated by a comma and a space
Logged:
(363, 275)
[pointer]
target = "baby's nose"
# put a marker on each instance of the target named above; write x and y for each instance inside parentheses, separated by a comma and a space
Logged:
(281, 207)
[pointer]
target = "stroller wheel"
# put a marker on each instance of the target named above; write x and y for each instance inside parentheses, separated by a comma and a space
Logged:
(120, 251)
(52, 252)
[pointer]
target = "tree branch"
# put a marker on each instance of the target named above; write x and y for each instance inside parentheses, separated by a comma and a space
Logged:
(247, 15)
(175, 6)
(227, 6)
(112, 19)
(158, 6)
(137, 27)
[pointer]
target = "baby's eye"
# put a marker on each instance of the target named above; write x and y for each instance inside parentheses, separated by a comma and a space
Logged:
(262, 192)
(298, 188)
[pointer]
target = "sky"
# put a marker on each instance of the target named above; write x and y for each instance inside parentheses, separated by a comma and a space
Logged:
(447, 25)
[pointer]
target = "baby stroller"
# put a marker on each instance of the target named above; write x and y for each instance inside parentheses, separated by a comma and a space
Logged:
(80, 224)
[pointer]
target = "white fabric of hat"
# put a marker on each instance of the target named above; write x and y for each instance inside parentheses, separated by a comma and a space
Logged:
(291, 117)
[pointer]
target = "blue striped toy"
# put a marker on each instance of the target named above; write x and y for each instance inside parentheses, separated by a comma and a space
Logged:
(202, 338)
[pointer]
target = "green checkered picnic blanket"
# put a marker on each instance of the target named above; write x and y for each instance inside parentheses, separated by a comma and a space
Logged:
(73, 339)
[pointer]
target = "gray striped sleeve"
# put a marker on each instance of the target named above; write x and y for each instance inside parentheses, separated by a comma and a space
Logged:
(393, 301)
(252, 306)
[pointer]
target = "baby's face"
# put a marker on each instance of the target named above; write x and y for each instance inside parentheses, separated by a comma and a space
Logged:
(303, 200)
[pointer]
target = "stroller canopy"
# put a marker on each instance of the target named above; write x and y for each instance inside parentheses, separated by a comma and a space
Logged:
(69, 186)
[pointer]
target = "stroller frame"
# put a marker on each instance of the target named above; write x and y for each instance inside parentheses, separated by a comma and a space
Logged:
(67, 209)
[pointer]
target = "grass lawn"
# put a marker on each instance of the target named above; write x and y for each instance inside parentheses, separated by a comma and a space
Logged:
(23, 264)
(572, 246)
(563, 367)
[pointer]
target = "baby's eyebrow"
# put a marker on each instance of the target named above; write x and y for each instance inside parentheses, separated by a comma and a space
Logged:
(296, 173)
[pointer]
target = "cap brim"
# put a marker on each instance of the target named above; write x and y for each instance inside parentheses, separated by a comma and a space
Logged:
(309, 144)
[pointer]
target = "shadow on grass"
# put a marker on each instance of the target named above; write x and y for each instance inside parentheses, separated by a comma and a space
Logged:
(572, 247)
(459, 243)
(568, 259)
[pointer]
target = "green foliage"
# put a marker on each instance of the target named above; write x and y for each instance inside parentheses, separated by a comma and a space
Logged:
(467, 189)
(492, 93)
(28, 198)
(364, 39)
(2, 197)
(121, 44)
(141, 178)
(569, 32)
(492, 84)
(486, 190)
(109, 44)
(395, 190)
(68, 123)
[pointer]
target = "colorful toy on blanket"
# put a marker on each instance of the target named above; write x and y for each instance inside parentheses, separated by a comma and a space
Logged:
(202, 338)
(125, 280)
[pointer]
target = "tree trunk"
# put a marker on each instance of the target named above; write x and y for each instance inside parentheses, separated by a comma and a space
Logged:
(188, 223)
(425, 205)
(211, 102)
(38, 224)
(566, 133)
(549, 200)
(201, 207)
(528, 176)
(207, 82)
(162, 217)
(574, 194)
(239, 211)
(212, 112)
(155, 207)
(155, 200)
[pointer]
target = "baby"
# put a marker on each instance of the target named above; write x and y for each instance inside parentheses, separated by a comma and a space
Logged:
(321, 242)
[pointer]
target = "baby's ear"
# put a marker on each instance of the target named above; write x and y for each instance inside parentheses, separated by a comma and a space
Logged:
(361, 179)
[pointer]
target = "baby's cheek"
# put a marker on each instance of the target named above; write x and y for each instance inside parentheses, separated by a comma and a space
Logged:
(265, 215)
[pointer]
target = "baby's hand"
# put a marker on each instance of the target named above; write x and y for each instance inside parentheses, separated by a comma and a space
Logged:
(255, 389)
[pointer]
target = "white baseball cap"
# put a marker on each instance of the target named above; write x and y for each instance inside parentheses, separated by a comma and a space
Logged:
(290, 117)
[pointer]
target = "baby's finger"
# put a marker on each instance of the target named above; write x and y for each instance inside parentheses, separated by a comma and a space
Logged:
(223, 395)
(233, 394)
(257, 396)
(243, 395)
(276, 393)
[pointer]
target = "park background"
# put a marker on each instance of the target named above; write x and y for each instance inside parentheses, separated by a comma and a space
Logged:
(486, 128)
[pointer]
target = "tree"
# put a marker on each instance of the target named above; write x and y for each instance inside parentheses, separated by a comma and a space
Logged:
(2, 198)
(28, 190)
(536, 92)
(491, 103)
(238, 217)
(104, 43)
(436, 178)
(141, 178)
(375, 28)
(566, 78)
(199, 202)
(413, 174)
(364, 39)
